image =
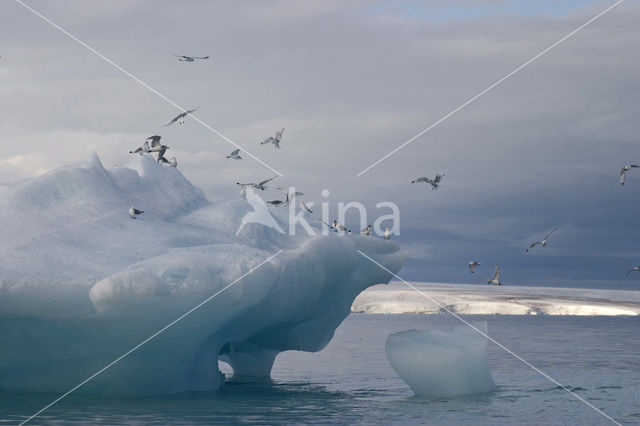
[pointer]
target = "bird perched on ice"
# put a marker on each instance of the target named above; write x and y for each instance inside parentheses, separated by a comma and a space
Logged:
(234, 155)
(387, 234)
(495, 279)
(243, 189)
(543, 243)
(173, 162)
(141, 149)
(339, 227)
(366, 230)
(624, 170)
(275, 141)
(435, 182)
(635, 268)
(183, 58)
(180, 117)
(472, 266)
(304, 207)
(133, 212)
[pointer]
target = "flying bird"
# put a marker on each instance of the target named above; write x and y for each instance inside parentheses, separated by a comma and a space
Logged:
(234, 155)
(183, 58)
(134, 212)
(387, 234)
(635, 268)
(435, 182)
(339, 227)
(275, 141)
(472, 266)
(263, 185)
(495, 279)
(367, 230)
(543, 243)
(180, 117)
(624, 170)
(304, 207)
(156, 146)
(328, 226)
(141, 149)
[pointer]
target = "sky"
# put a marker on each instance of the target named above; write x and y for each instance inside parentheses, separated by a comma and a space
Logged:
(349, 82)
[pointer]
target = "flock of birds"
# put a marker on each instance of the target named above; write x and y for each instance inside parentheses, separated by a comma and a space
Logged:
(153, 145)
(495, 278)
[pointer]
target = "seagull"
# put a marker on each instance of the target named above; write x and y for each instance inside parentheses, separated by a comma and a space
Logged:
(387, 234)
(624, 170)
(234, 155)
(262, 185)
(285, 191)
(495, 279)
(635, 268)
(472, 266)
(243, 189)
(328, 226)
(173, 161)
(435, 182)
(367, 230)
(543, 243)
(339, 227)
(183, 58)
(141, 149)
(304, 207)
(156, 146)
(134, 212)
(180, 117)
(275, 141)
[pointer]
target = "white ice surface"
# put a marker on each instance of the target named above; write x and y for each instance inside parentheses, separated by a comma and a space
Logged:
(81, 282)
(442, 363)
(398, 298)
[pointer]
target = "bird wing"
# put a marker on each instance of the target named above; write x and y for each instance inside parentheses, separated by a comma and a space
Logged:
(235, 152)
(136, 211)
(552, 231)
(200, 57)
(634, 165)
(279, 134)
(422, 179)
(164, 160)
(496, 274)
(179, 56)
(622, 170)
(437, 178)
(173, 121)
(189, 111)
(267, 181)
(532, 245)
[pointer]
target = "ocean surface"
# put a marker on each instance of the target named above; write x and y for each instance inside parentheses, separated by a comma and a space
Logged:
(350, 381)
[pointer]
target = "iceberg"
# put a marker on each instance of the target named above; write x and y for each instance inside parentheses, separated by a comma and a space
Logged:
(466, 299)
(442, 363)
(81, 283)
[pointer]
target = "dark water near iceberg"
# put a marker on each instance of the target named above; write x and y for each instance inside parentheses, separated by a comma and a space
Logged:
(351, 381)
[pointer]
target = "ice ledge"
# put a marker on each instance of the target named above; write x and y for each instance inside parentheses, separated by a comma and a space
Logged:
(398, 298)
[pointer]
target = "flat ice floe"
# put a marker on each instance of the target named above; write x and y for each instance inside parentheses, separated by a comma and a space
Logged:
(81, 282)
(398, 298)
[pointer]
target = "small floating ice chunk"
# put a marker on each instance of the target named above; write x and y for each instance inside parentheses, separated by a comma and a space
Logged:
(442, 363)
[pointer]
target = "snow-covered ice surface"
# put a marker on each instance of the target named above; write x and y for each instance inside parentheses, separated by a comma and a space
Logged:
(81, 282)
(441, 363)
(398, 298)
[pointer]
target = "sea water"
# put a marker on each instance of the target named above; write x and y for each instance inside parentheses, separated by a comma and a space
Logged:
(351, 381)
